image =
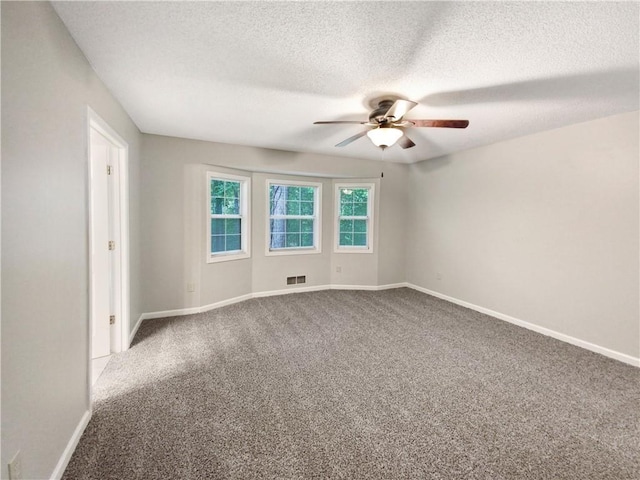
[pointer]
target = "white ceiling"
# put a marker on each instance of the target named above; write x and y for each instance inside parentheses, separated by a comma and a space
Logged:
(260, 73)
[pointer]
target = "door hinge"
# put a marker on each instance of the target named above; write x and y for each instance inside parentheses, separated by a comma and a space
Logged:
(108, 169)
(112, 245)
(112, 319)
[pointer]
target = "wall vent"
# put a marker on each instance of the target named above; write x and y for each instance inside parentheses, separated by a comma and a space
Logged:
(295, 280)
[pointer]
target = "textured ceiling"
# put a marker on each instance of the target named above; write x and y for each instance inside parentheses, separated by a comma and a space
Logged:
(260, 73)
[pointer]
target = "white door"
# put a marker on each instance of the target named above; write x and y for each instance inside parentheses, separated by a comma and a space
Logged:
(101, 154)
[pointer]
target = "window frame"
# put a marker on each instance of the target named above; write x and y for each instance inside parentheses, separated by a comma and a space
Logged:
(337, 248)
(245, 218)
(317, 225)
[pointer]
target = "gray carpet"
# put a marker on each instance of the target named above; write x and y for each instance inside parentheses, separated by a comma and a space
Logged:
(353, 384)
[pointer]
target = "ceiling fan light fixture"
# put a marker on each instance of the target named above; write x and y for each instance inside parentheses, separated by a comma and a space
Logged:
(384, 137)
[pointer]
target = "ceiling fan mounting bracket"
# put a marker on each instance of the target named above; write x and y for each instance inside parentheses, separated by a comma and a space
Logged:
(373, 101)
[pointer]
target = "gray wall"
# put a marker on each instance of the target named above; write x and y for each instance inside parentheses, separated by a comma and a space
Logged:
(270, 272)
(46, 87)
(543, 228)
(172, 222)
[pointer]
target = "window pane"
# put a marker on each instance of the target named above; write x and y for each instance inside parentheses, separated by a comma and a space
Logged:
(346, 226)
(277, 205)
(346, 209)
(217, 243)
(307, 226)
(293, 208)
(307, 239)
(233, 242)
(360, 195)
(217, 188)
(232, 189)
(346, 195)
(306, 193)
(360, 239)
(293, 226)
(277, 241)
(216, 205)
(231, 206)
(217, 226)
(306, 208)
(360, 226)
(232, 226)
(293, 193)
(278, 226)
(293, 240)
(360, 209)
(346, 239)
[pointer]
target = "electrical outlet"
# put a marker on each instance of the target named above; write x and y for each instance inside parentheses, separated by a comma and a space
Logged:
(439, 276)
(191, 287)
(15, 467)
(338, 269)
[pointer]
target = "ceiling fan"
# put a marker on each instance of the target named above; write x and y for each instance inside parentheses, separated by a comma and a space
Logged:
(388, 124)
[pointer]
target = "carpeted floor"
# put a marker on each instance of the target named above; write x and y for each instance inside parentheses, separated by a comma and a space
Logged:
(353, 384)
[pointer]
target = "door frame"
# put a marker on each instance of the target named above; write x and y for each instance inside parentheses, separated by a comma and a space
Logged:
(120, 203)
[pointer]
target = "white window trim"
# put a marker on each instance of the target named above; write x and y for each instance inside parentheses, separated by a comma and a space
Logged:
(337, 248)
(317, 226)
(245, 214)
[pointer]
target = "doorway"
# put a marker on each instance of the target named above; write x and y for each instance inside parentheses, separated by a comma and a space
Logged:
(108, 245)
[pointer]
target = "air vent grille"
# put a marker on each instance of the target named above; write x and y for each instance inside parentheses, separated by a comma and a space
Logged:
(296, 280)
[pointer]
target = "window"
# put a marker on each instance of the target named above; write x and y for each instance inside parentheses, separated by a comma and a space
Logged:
(354, 219)
(294, 212)
(228, 217)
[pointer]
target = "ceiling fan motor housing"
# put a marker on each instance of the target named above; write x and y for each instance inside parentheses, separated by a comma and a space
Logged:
(379, 114)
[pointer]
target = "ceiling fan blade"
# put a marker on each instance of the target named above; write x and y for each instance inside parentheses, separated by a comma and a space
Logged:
(340, 121)
(406, 142)
(441, 123)
(400, 108)
(351, 139)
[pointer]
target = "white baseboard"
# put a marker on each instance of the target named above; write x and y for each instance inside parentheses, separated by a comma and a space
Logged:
(135, 329)
(273, 293)
(622, 357)
(171, 313)
(223, 303)
(317, 288)
(71, 446)
(267, 293)
(376, 288)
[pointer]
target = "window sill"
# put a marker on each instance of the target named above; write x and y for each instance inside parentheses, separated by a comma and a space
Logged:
(227, 257)
(292, 251)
